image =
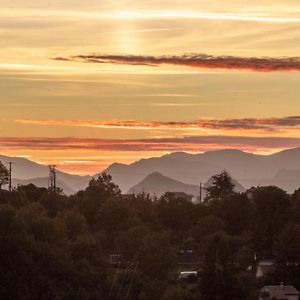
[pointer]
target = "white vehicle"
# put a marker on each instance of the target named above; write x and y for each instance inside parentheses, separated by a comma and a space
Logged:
(186, 275)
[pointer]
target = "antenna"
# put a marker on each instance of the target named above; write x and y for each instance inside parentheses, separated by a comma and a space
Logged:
(10, 175)
(52, 177)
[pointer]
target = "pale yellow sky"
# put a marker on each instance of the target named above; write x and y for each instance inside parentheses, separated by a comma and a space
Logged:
(52, 95)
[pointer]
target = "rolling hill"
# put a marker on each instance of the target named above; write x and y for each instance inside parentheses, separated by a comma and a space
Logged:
(247, 168)
(26, 171)
(186, 170)
(157, 184)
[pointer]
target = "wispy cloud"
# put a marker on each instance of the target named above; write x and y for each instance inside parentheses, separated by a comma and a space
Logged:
(200, 15)
(265, 124)
(189, 143)
(159, 14)
(170, 95)
(260, 64)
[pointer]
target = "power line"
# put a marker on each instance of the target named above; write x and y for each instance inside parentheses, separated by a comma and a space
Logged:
(132, 280)
(123, 280)
(114, 280)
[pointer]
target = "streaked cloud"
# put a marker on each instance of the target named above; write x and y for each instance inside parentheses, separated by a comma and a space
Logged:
(148, 103)
(169, 95)
(188, 143)
(158, 14)
(200, 15)
(266, 124)
(259, 64)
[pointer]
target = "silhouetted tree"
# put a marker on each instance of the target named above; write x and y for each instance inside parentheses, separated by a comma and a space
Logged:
(287, 254)
(156, 257)
(222, 187)
(207, 226)
(3, 175)
(130, 241)
(56, 247)
(99, 191)
(219, 280)
(238, 213)
(176, 213)
(295, 207)
(271, 214)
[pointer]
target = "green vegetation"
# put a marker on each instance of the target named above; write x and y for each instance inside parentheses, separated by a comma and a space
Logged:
(99, 244)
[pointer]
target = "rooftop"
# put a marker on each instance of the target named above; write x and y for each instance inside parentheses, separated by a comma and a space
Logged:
(280, 291)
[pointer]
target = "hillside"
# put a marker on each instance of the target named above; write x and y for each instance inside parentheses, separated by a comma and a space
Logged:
(158, 184)
(247, 168)
(26, 171)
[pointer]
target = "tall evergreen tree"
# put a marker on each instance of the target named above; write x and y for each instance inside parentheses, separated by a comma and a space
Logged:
(4, 174)
(222, 187)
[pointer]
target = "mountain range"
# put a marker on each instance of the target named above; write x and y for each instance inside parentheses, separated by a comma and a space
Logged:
(281, 169)
(26, 171)
(178, 171)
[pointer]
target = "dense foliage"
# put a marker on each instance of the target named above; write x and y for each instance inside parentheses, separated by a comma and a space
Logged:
(99, 244)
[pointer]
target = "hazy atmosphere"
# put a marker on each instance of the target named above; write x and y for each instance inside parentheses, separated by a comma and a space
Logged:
(88, 83)
(149, 150)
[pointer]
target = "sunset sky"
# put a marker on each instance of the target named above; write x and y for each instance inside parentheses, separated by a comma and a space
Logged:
(88, 83)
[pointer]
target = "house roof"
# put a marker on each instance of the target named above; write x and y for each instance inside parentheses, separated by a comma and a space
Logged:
(281, 291)
(265, 267)
(181, 194)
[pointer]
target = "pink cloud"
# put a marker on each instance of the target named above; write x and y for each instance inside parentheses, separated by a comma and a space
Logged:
(265, 124)
(189, 143)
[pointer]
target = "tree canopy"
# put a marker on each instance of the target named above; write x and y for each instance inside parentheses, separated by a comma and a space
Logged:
(99, 244)
(4, 175)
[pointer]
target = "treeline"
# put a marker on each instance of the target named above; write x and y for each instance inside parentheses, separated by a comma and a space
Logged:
(57, 247)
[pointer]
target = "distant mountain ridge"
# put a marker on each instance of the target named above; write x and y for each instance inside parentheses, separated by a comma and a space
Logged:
(247, 168)
(26, 171)
(158, 184)
(281, 169)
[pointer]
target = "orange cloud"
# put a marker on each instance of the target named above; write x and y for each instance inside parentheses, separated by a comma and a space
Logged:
(259, 64)
(262, 124)
(189, 143)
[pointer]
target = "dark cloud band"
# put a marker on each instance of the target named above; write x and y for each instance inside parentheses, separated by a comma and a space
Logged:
(262, 124)
(260, 64)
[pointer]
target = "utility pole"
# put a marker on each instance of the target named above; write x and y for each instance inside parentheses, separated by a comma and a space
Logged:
(10, 175)
(52, 177)
(200, 192)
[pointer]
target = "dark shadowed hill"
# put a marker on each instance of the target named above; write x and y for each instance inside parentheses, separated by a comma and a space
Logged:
(158, 184)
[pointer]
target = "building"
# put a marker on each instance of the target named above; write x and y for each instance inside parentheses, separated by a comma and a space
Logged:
(264, 267)
(127, 196)
(182, 195)
(279, 292)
